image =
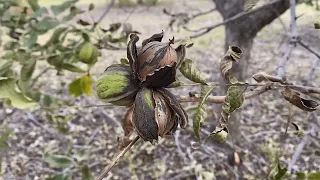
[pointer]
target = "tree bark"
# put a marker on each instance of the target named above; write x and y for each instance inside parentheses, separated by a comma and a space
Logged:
(241, 33)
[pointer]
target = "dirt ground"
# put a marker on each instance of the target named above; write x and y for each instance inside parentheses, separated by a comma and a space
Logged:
(93, 131)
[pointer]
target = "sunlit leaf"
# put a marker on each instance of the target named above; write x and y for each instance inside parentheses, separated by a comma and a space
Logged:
(58, 161)
(34, 4)
(86, 173)
(10, 90)
(190, 71)
(201, 113)
(57, 9)
(294, 98)
(72, 68)
(81, 86)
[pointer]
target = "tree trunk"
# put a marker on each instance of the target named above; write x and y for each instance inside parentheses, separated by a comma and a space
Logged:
(241, 32)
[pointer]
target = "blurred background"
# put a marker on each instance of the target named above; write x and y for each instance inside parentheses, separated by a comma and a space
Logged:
(66, 137)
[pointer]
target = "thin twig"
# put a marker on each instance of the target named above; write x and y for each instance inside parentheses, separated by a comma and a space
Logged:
(114, 162)
(105, 12)
(307, 47)
(313, 68)
(293, 39)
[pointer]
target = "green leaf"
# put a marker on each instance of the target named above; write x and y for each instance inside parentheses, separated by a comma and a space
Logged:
(47, 100)
(10, 90)
(124, 61)
(235, 97)
(57, 9)
(28, 69)
(73, 12)
(40, 12)
(314, 176)
(86, 173)
(34, 4)
(31, 40)
(56, 36)
(190, 71)
(201, 113)
(317, 25)
(46, 24)
(58, 161)
(66, 176)
(81, 86)
(277, 172)
(72, 68)
(6, 68)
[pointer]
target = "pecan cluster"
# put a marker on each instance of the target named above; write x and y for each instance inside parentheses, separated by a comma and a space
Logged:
(153, 110)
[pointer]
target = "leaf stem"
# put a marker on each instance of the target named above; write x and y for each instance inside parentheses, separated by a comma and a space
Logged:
(114, 162)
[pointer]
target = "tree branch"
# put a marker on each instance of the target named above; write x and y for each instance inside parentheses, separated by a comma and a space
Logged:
(220, 99)
(293, 39)
(255, 17)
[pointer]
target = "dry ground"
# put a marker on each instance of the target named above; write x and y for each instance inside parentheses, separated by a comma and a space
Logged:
(94, 130)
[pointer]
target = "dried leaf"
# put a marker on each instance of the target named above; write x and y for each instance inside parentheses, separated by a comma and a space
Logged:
(299, 131)
(201, 113)
(220, 134)
(190, 71)
(127, 125)
(232, 55)
(294, 98)
(234, 159)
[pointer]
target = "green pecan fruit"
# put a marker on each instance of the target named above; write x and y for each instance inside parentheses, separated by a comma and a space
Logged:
(117, 85)
(88, 53)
